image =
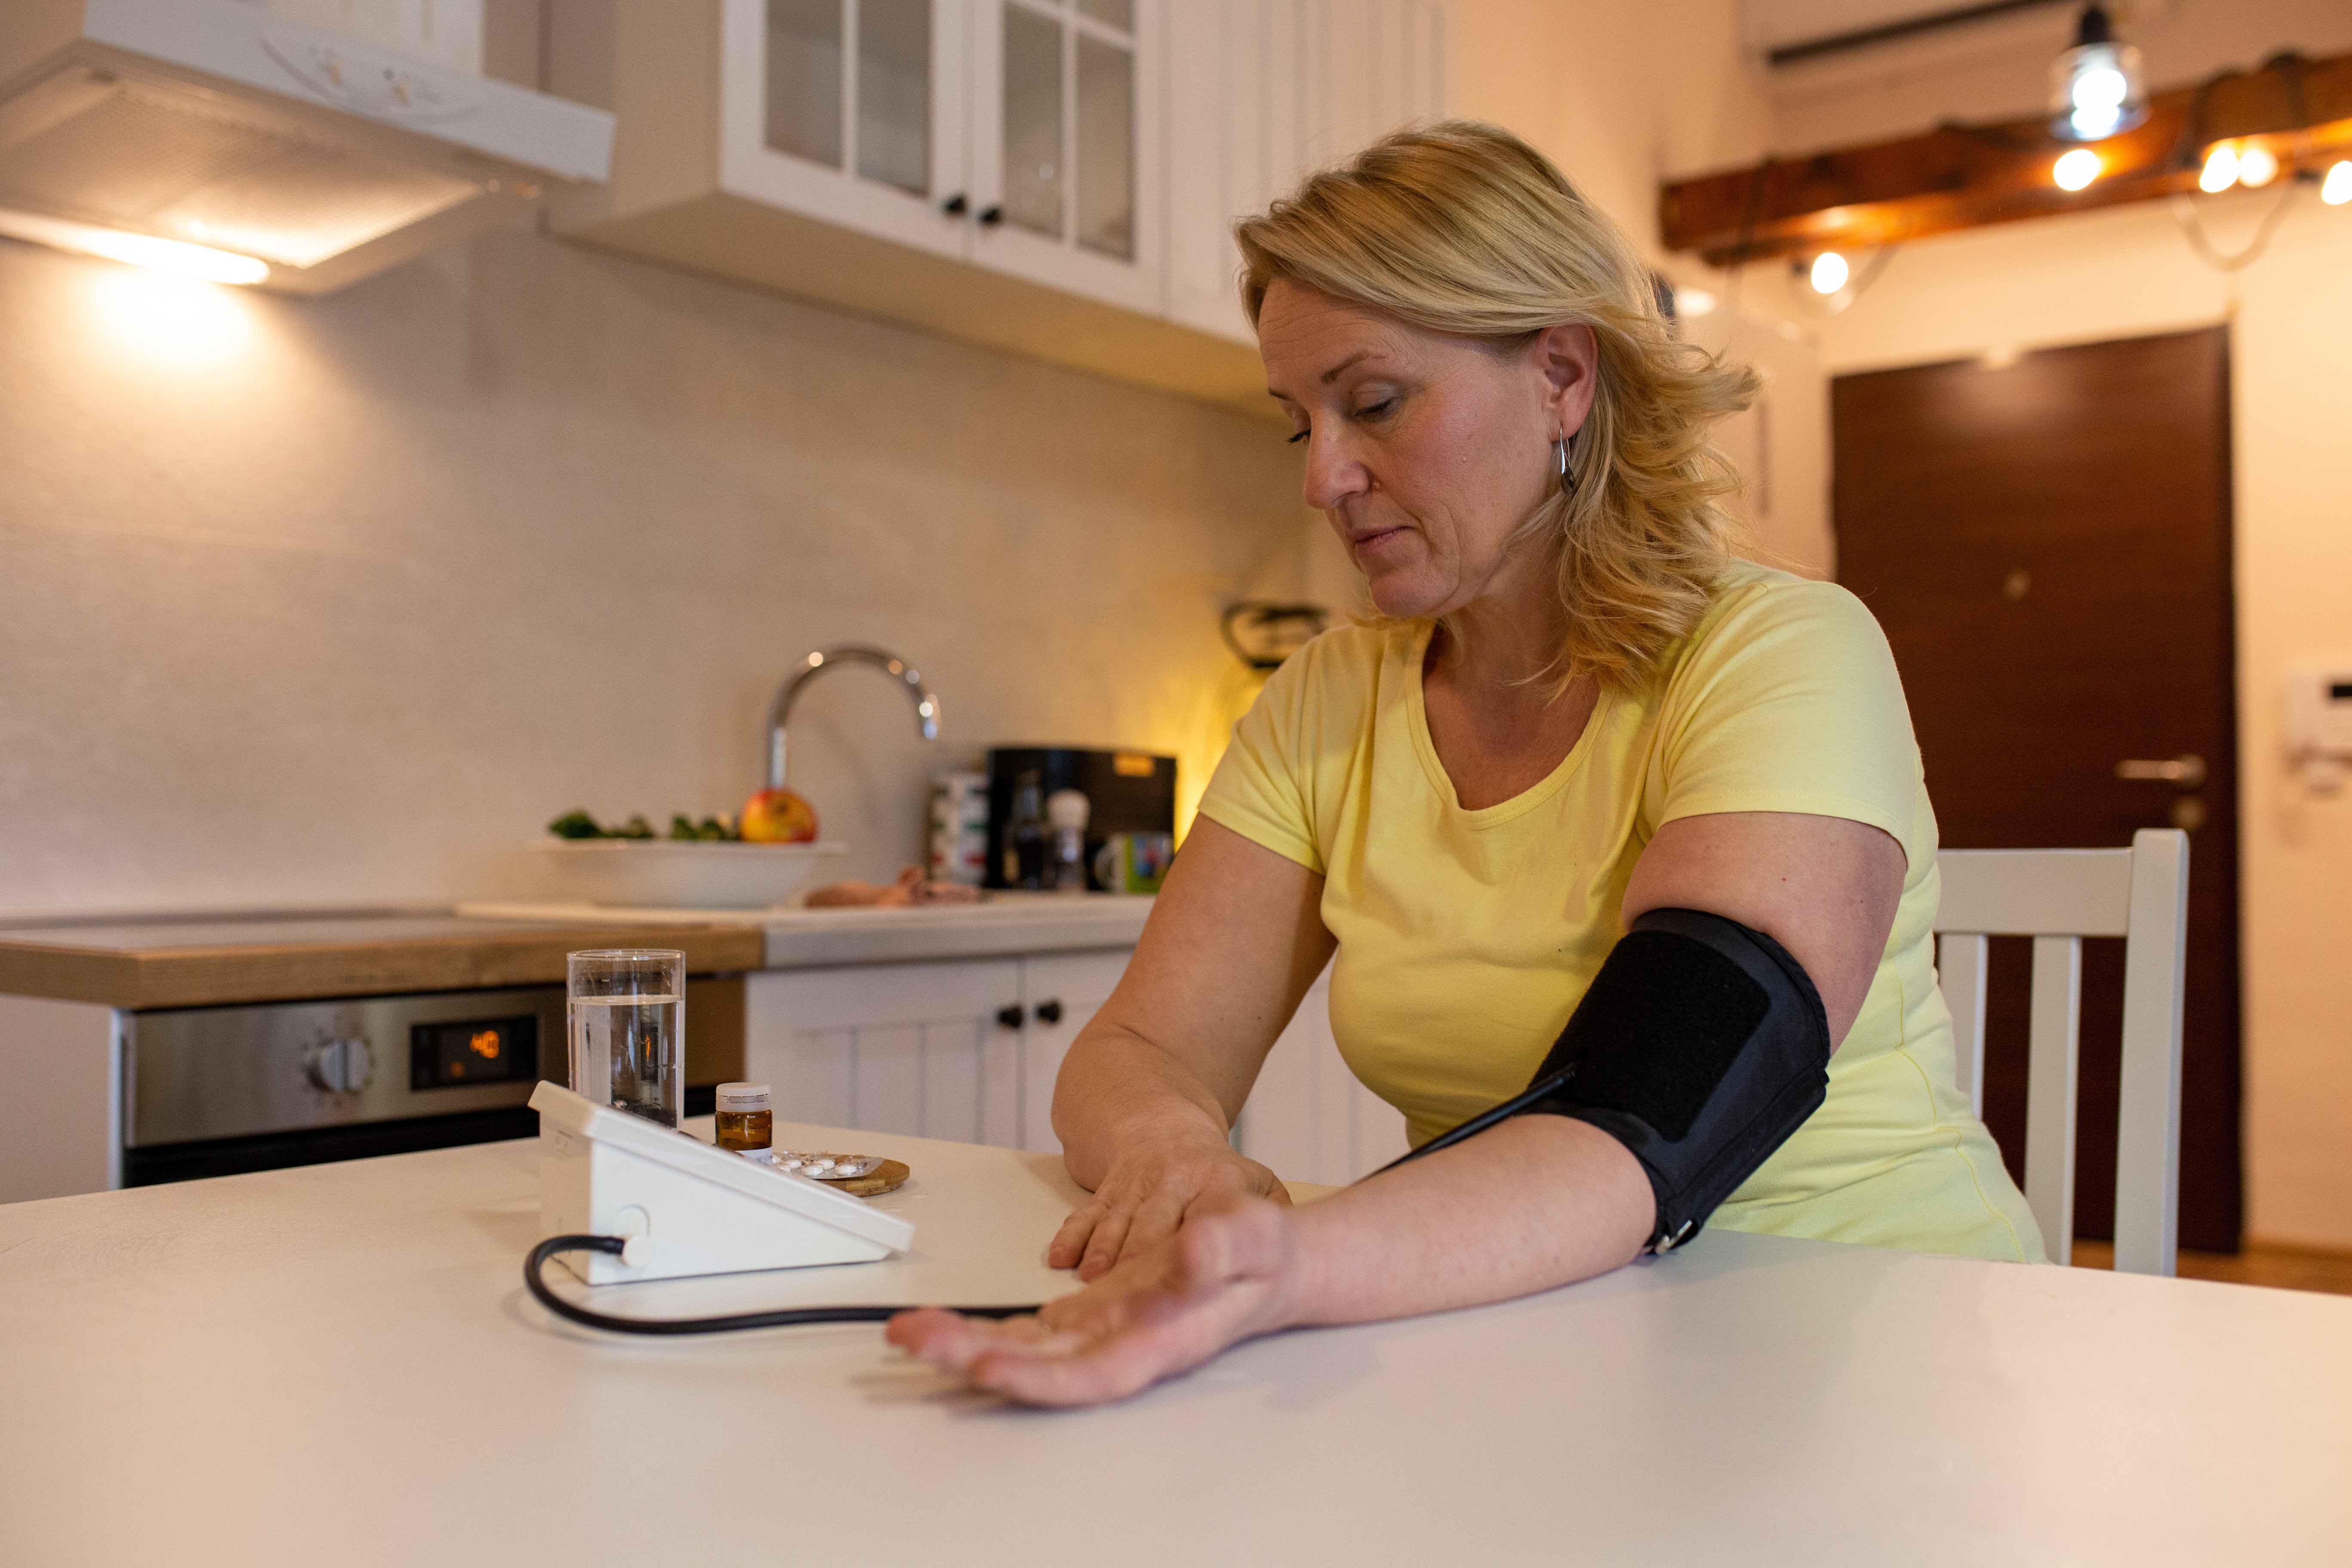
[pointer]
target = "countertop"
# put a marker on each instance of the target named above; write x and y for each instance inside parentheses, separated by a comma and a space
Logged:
(191, 961)
(338, 1365)
(802, 937)
(197, 963)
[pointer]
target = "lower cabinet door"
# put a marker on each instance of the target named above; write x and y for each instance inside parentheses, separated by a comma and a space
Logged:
(1063, 991)
(932, 1049)
(1309, 1119)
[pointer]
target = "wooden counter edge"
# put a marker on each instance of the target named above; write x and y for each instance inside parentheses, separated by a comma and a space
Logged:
(141, 978)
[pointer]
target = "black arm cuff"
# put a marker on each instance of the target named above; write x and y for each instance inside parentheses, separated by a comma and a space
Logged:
(1701, 1046)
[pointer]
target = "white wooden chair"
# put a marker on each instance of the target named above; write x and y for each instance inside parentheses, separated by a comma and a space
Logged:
(2058, 897)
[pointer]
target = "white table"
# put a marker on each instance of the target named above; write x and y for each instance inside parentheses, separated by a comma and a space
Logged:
(338, 1366)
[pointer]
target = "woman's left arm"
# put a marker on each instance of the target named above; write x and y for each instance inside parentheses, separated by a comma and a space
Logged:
(1823, 887)
(1536, 1202)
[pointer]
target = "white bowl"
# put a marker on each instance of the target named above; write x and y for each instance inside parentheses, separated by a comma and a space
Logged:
(682, 873)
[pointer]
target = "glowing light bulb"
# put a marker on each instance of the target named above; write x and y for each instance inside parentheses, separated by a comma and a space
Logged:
(2074, 171)
(2336, 189)
(2220, 169)
(136, 250)
(1830, 272)
(2100, 86)
(1693, 302)
(2257, 166)
(2095, 122)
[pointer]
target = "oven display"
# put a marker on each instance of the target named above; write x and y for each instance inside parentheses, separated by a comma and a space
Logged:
(488, 1050)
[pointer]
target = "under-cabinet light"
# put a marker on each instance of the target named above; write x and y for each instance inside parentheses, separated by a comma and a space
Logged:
(2336, 189)
(1828, 272)
(2257, 166)
(136, 250)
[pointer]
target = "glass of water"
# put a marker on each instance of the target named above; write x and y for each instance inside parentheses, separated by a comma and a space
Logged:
(626, 1012)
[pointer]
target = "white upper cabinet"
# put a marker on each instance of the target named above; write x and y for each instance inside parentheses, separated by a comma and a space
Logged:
(1264, 91)
(1054, 178)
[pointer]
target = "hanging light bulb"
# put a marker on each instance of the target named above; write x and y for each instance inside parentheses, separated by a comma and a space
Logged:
(2096, 89)
(2257, 166)
(2220, 169)
(2074, 171)
(2336, 189)
(1830, 272)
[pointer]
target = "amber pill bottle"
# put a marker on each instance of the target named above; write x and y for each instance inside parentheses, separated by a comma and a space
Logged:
(747, 1119)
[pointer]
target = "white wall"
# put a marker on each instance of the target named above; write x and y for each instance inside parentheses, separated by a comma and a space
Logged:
(2126, 272)
(340, 600)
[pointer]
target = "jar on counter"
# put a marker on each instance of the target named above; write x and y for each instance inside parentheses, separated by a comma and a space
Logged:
(747, 1119)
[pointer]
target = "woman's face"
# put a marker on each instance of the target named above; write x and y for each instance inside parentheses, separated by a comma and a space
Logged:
(1425, 451)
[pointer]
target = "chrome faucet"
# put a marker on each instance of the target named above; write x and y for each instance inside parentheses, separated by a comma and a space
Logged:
(779, 711)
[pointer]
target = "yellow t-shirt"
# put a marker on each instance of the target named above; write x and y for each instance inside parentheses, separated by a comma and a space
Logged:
(1466, 938)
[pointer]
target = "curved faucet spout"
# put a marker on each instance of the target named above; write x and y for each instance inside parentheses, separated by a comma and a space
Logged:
(779, 711)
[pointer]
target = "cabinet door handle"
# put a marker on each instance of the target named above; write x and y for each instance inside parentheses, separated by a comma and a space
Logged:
(1049, 1012)
(956, 205)
(1009, 1017)
(990, 216)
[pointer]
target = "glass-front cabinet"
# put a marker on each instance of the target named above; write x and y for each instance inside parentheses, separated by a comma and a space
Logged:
(851, 110)
(1064, 144)
(1015, 133)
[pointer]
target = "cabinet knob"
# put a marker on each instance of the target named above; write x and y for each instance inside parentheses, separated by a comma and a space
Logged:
(1009, 1017)
(990, 216)
(956, 205)
(1049, 1012)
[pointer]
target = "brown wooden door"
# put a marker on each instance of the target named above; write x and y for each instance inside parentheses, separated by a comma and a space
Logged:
(2047, 544)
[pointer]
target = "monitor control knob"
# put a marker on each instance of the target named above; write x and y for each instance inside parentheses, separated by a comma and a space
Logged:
(340, 1065)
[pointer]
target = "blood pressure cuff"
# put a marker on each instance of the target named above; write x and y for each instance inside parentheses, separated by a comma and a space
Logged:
(1701, 1046)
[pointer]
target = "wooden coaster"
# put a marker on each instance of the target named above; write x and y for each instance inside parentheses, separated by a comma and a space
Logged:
(887, 1177)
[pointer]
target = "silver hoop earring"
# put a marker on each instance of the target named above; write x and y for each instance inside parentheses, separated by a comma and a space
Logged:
(1565, 450)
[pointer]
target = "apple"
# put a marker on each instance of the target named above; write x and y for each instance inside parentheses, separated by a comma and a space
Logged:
(778, 817)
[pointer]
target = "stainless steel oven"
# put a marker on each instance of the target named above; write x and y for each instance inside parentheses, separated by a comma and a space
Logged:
(213, 1092)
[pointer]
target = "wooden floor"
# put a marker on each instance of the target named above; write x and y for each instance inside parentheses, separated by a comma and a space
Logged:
(2261, 1263)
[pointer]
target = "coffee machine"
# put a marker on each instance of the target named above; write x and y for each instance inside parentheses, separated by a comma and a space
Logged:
(1127, 792)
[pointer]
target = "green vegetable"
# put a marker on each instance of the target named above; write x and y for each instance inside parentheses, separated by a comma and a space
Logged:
(580, 825)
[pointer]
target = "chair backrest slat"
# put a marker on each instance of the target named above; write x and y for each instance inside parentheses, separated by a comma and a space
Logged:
(2058, 897)
(2052, 1052)
(1961, 963)
(2148, 1127)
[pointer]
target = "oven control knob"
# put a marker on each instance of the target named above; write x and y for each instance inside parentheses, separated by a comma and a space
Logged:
(341, 1066)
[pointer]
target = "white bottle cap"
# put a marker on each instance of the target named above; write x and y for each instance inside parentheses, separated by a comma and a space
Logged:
(1068, 809)
(743, 1097)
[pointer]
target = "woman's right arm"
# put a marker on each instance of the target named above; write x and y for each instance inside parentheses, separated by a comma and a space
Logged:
(1149, 1091)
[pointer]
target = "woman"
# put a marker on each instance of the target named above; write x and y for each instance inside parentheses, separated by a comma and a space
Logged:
(1575, 709)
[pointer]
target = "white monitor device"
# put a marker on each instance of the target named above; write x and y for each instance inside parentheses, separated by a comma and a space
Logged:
(685, 1206)
(2319, 720)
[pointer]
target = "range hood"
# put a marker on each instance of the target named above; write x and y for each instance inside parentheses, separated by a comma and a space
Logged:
(296, 158)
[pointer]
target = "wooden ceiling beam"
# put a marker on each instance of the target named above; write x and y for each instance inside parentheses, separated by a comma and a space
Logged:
(1966, 177)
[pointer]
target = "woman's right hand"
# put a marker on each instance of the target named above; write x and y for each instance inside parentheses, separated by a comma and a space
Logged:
(1152, 1183)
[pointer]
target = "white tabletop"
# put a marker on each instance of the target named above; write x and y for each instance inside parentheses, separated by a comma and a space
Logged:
(338, 1366)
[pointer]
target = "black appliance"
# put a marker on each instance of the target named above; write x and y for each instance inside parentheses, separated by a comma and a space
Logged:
(1126, 792)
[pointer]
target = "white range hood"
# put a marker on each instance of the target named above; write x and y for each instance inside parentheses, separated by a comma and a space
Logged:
(217, 124)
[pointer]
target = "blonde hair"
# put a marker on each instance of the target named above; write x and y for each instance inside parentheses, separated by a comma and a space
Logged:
(1463, 228)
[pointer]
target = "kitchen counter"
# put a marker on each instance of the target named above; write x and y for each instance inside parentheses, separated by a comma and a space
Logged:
(339, 1364)
(806, 939)
(199, 963)
(209, 960)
